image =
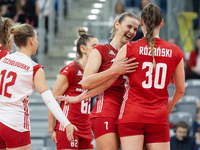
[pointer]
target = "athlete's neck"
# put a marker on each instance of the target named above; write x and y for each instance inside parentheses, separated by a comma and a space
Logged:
(116, 45)
(25, 51)
(82, 61)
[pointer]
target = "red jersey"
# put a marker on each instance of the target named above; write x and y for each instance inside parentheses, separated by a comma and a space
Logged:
(193, 59)
(108, 102)
(79, 113)
(3, 51)
(146, 97)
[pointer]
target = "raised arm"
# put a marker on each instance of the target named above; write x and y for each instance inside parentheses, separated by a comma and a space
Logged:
(179, 80)
(42, 87)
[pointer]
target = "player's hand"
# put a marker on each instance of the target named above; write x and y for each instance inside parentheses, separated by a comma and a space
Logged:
(67, 99)
(170, 106)
(70, 130)
(126, 66)
(53, 136)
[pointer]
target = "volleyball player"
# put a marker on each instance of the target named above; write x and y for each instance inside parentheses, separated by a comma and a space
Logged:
(146, 105)
(69, 84)
(19, 76)
(106, 109)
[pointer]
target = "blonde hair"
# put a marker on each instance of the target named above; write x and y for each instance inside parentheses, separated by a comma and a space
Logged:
(120, 20)
(5, 38)
(22, 33)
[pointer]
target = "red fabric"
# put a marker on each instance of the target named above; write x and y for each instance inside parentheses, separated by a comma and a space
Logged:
(12, 139)
(153, 133)
(35, 68)
(147, 97)
(103, 125)
(108, 102)
(3, 51)
(78, 113)
(193, 59)
(77, 143)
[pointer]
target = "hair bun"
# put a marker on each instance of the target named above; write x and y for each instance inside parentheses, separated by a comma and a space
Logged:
(81, 31)
(15, 30)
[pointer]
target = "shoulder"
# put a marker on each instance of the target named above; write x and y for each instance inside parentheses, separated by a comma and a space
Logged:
(137, 41)
(99, 47)
(169, 45)
(102, 49)
(68, 68)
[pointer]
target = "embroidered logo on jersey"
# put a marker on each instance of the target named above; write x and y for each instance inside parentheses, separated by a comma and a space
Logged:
(65, 69)
(112, 60)
(79, 73)
(112, 53)
(80, 82)
(92, 143)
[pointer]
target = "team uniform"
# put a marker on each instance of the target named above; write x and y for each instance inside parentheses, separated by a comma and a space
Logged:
(16, 85)
(144, 107)
(78, 114)
(107, 106)
(3, 51)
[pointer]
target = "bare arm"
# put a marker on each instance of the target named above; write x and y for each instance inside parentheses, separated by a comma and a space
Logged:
(59, 88)
(120, 62)
(91, 77)
(179, 79)
(42, 88)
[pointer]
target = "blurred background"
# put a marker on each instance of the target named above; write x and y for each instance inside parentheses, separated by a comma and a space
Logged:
(57, 21)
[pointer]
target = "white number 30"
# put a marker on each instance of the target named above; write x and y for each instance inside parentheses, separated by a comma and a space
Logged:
(159, 67)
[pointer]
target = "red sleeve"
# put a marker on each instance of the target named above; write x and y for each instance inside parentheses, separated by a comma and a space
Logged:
(3, 53)
(101, 49)
(69, 73)
(193, 59)
(35, 68)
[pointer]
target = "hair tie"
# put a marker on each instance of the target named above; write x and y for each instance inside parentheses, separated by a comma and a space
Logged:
(19, 31)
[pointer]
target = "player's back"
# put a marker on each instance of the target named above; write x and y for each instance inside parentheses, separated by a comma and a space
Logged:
(147, 88)
(17, 71)
(148, 79)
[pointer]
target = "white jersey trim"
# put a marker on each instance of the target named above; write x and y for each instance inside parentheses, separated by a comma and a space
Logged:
(125, 97)
(100, 102)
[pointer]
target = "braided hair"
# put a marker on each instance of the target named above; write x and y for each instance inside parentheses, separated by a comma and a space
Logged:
(152, 17)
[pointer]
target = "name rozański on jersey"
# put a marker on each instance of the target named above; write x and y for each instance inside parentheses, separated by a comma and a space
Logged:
(161, 52)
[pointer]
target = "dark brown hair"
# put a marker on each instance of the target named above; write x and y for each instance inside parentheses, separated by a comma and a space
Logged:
(120, 20)
(181, 124)
(22, 33)
(5, 38)
(82, 40)
(152, 17)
